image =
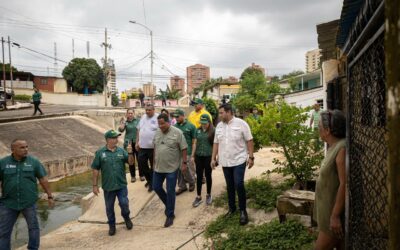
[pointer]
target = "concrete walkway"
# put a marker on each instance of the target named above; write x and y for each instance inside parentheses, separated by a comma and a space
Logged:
(148, 216)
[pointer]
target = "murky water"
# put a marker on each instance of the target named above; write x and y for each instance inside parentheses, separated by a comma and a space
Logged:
(67, 208)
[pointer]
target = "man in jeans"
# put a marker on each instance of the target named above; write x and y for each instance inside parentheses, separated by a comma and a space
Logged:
(18, 175)
(233, 144)
(110, 160)
(189, 131)
(169, 155)
(146, 129)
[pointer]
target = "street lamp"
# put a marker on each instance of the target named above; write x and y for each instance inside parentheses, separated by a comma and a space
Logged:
(151, 48)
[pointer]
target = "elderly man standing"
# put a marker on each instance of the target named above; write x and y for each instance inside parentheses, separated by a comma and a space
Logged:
(189, 131)
(169, 155)
(110, 160)
(233, 144)
(18, 174)
(146, 129)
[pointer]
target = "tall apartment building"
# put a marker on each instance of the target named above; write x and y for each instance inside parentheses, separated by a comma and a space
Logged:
(196, 75)
(111, 77)
(313, 60)
(149, 89)
(177, 83)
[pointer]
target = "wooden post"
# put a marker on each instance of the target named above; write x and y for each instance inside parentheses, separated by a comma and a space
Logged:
(392, 54)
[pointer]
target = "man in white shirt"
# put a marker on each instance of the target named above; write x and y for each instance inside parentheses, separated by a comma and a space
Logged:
(233, 144)
(146, 129)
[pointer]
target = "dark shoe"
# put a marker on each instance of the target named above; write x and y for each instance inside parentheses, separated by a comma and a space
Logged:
(197, 202)
(169, 221)
(244, 219)
(133, 179)
(128, 223)
(112, 230)
(208, 199)
(142, 178)
(191, 187)
(179, 191)
(229, 213)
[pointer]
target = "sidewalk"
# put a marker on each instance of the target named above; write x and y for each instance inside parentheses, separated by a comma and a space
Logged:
(148, 216)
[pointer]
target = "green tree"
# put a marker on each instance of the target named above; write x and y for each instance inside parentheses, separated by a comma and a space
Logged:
(7, 65)
(284, 125)
(254, 90)
(172, 94)
(81, 73)
(211, 107)
(134, 95)
(251, 71)
(114, 100)
(293, 74)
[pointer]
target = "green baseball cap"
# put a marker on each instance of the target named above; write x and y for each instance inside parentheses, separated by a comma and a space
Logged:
(111, 134)
(198, 101)
(179, 112)
(204, 119)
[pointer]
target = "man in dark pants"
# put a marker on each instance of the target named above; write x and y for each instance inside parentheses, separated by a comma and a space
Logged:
(189, 131)
(146, 130)
(141, 97)
(18, 175)
(36, 98)
(169, 156)
(233, 144)
(110, 160)
(129, 126)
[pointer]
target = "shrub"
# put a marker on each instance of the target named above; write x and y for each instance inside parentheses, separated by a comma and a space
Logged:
(227, 234)
(22, 98)
(260, 193)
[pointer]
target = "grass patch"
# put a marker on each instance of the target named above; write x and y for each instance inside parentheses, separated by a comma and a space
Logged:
(227, 234)
(260, 192)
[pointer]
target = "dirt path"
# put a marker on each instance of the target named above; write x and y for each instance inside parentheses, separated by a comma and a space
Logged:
(148, 219)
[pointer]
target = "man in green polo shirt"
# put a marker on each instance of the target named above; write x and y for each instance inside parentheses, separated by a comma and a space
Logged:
(36, 99)
(110, 160)
(189, 131)
(18, 176)
(129, 126)
(169, 156)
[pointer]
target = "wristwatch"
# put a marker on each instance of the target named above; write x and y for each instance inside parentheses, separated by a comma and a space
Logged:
(185, 162)
(251, 158)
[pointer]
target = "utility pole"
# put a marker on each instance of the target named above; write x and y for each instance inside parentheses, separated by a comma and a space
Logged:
(73, 49)
(4, 74)
(11, 71)
(55, 59)
(106, 46)
(88, 49)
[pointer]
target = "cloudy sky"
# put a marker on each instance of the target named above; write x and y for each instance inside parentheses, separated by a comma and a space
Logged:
(226, 35)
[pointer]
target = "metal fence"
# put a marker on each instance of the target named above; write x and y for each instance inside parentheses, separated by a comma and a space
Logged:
(367, 218)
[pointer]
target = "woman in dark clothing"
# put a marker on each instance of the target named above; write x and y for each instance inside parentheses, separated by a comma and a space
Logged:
(201, 154)
(36, 98)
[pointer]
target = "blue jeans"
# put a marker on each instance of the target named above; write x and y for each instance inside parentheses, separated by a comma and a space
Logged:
(109, 198)
(234, 178)
(8, 217)
(168, 198)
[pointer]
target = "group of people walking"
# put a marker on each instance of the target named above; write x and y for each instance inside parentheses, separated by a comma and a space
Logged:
(180, 155)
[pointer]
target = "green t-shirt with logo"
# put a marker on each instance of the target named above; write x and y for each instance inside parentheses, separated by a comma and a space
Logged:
(130, 131)
(19, 181)
(189, 131)
(112, 167)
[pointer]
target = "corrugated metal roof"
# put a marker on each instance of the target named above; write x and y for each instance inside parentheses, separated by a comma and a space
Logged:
(350, 11)
(327, 39)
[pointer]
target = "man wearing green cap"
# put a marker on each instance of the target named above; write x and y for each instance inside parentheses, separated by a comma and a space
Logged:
(194, 116)
(189, 131)
(110, 160)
